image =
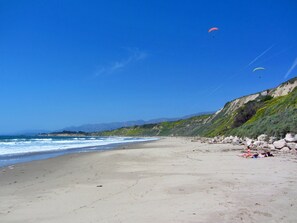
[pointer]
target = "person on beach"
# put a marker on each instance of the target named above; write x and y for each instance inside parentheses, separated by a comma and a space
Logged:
(247, 154)
(262, 155)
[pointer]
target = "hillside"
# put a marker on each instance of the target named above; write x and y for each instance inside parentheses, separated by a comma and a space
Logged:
(273, 112)
(190, 126)
(89, 128)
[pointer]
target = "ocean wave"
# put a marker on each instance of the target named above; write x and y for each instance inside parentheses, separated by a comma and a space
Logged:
(37, 145)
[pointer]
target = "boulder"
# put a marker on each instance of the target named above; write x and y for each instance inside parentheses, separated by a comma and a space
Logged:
(279, 144)
(271, 147)
(263, 137)
(285, 150)
(258, 143)
(218, 139)
(227, 140)
(272, 139)
(294, 151)
(236, 141)
(291, 145)
(249, 142)
(291, 137)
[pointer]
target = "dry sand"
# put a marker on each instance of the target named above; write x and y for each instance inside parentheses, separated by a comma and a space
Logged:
(170, 180)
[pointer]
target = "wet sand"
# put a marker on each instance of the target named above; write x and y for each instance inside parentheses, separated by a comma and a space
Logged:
(170, 180)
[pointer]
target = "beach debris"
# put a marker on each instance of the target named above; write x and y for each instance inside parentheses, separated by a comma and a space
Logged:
(99, 185)
(213, 29)
(11, 167)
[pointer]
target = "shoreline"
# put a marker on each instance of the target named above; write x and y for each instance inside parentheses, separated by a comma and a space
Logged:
(169, 180)
(44, 155)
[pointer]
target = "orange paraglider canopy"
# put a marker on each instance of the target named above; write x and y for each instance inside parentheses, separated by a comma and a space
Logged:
(213, 29)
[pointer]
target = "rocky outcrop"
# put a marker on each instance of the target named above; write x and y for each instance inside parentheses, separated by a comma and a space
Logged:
(272, 139)
(291, 145)
(263, 137)
(285, 150)
(237, 103)
(263, 142)
(279, 144)
(291, 137)
(281, 90)
(284, 89)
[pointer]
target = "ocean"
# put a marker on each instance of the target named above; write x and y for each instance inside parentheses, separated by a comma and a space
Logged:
(19, 149)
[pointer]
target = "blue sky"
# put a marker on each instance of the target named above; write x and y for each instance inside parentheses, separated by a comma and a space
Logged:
(66, 63)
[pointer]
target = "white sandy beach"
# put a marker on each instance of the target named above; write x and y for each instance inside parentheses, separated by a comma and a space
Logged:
(170, 180)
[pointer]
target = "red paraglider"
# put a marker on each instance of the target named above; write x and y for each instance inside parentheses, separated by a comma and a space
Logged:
(213, 29)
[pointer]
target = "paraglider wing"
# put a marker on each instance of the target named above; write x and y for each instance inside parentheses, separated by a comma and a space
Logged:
(213, 29)
(258, 68)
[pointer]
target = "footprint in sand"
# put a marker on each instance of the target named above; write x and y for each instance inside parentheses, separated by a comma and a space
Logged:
(266, 214)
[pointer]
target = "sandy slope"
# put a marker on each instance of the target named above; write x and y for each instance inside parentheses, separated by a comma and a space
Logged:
(171, 180)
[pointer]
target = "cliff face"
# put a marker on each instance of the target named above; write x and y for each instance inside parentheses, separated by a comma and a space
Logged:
(273, 112)
(282, 90)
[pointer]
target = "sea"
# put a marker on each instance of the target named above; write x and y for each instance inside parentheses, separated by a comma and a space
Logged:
(20, 149)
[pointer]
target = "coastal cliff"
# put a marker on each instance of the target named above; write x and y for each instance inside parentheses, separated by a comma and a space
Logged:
(272, 112)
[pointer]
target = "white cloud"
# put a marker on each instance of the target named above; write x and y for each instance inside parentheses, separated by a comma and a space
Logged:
(135, 55)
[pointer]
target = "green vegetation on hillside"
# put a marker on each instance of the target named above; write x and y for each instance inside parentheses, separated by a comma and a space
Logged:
(276, 117)
(272, 116)
(185, 127)
(265, 114)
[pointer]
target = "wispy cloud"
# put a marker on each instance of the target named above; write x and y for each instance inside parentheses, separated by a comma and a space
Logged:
(291, 68)
(134, 56)
(260, 55)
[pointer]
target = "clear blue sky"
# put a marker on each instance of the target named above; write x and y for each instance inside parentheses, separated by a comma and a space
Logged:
(66, 63)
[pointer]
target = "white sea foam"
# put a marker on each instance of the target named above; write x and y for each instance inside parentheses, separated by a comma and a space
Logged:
(37, 145)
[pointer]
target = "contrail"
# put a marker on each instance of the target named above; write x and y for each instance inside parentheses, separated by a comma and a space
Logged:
(265, 51)
(222, 84)
(279, 53)
(291, 68)
(214, 90)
